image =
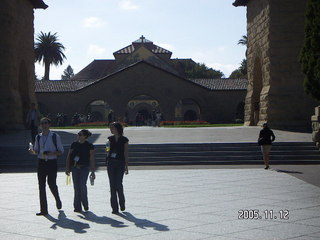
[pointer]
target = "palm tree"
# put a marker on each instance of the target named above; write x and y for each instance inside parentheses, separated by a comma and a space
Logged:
(243, 40)
(49, 50)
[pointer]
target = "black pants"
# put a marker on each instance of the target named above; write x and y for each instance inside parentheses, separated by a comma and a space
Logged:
(115, 174)
(47, 169)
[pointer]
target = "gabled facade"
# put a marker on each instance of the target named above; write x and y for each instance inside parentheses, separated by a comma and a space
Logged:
(142, 79)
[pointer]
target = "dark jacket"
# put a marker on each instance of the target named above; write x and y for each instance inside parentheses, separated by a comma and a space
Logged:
(266, 137)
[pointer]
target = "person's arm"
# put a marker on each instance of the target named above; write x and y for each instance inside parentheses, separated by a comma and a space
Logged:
(273, 137)
(126, 157)
(92, 163)
(68, 161)
(60, 149)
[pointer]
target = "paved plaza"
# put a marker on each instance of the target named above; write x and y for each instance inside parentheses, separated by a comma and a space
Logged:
(190, 202)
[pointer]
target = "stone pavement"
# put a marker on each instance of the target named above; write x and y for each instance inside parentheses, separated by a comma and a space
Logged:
(168, 204)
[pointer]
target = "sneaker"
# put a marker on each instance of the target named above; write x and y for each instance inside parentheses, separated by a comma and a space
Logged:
(115, 212)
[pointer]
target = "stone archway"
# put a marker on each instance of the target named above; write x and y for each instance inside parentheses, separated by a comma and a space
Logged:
(24, 88)
(141, 110)
(187, 109)
(256, 92)
(99, 110)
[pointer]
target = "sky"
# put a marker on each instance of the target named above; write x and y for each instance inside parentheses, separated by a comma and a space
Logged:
(205, 30)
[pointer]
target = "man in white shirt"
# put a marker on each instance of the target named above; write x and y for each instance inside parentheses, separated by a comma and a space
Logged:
(48, 147)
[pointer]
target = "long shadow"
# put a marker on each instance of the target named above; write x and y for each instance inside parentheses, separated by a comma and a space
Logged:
(90, 216)
(288, 171)
(143, 223)
(64, 222)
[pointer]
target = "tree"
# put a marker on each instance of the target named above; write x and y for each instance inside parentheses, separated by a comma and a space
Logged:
(241, 72)
(310, 54)
(67, 73)
(49, 50)
(243, 41)
(192, 69)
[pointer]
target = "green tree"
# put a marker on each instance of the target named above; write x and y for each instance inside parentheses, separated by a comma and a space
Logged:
(243, 40)
(241, 72)
(49, 51)
(192, 69)
(67, 73)
(310, 54)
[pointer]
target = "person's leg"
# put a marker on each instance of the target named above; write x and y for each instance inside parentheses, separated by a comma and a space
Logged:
(119, 186)
(42, 175)
(84, 173)
(76, 187)
(265, 151)
(52, 181)
(112, 181)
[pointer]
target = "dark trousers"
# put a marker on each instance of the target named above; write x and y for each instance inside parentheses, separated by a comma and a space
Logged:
(34, 131)
(115, 174)
(79, 178)
(47, 169)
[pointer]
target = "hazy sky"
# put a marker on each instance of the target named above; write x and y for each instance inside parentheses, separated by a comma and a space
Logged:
(205, 30)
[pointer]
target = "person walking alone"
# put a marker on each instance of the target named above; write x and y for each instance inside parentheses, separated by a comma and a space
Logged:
(117, 166)
(48, 147)
(81, 158)
(266, 137)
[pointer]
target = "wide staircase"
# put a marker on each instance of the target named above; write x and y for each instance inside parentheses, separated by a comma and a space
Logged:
(17, 158)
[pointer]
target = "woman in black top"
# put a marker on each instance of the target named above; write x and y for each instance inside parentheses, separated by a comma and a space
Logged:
(266, 137)
(80, 158)
(117, 165)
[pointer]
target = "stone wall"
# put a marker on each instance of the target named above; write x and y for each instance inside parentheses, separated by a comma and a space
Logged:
(275, 37)
(16, 62)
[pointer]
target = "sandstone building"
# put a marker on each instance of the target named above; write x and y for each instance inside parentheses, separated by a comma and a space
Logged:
(16, 60)
(275, 31)
(141, 79)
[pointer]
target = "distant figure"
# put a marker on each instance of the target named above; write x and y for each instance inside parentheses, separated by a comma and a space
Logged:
(80, 160)
(266, 137)
(117, 165)
(110, 117)
(48, 147)
(32, 121)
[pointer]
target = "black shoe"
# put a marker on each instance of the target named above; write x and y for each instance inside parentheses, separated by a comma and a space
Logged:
(115, 212)
(78, 210)
(59, 205)
(267, 167)
(86, 209)
(42, 213)
(122, 208)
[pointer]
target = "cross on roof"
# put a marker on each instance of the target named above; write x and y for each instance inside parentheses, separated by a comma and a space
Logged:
(142, 38)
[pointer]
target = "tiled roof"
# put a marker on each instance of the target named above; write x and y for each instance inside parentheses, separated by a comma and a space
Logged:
(147, 43)
(222, 84)
(95, 70)
(61, 85)
(75, 85)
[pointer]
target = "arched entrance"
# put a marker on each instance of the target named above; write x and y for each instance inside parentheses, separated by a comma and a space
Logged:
(257, 87)
(141, 110)
(24, 88)
(187, 110)
(99, 110)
